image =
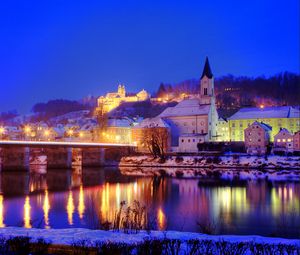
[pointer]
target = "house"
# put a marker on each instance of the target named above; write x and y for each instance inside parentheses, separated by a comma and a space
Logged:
(296, 142)
(222, 134)
(118, 130)
(151, 130)
(189, 142)
(277, 117)
(257, 138)
(196, 116)
(283, 141)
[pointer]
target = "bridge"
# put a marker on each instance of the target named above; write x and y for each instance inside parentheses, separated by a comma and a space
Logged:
(15, 155)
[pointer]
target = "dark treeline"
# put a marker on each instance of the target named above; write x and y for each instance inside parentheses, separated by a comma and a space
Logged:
(54, 108)
(4, 116)
(235, 92)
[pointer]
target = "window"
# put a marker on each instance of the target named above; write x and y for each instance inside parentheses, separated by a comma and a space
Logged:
(278, 140)
(289, 140)
(284, 140)
(202, 131)
(193, 140)
(205, 91)
(233, 124)
(200, 140)
(193, 131)
(182, 140)
(189, 140)
(259, 140)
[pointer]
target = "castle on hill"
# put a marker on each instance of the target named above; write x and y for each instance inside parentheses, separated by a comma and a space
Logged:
(112, 100)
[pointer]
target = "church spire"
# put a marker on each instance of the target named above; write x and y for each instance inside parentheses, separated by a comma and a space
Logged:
(206, 70)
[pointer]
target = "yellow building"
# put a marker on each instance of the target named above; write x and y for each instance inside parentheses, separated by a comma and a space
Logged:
(117, 131)
(276, 117)
(114, 99)
(222, 130)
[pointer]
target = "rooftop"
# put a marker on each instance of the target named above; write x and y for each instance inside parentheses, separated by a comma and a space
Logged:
(188, 107)
(267, 112)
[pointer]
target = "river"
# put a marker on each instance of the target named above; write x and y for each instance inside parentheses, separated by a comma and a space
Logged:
(85, 197)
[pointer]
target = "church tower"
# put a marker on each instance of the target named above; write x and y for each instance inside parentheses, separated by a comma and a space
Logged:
(121, 90)
(207, 93)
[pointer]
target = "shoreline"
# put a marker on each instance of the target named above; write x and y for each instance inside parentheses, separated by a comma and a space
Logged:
(68, 236)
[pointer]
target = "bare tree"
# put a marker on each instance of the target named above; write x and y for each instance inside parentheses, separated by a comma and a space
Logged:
(156, 141)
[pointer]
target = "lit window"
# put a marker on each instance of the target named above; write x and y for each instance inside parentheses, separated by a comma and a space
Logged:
(289, 140)
(284, 140)
(278, 140)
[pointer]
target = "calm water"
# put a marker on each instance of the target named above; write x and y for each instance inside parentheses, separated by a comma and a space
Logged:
(62, 199)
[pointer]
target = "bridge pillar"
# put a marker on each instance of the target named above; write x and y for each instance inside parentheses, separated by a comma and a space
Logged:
(93, 157)
(15, 158)
(58, 158)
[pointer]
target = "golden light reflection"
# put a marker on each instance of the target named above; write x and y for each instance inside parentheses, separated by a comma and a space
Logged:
(27, 208)
(46, 209)
(70, 208)
(161, 219)
(81, 206)
(1, 212)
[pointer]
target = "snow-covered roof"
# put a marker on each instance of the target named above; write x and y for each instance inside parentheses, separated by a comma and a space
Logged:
(124, 122)
(264, 126)
(188, 107)
(284, 130)
(266, 112)
(152, 122)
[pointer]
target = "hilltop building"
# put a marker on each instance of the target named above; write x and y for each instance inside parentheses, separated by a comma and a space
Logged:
(113, 99)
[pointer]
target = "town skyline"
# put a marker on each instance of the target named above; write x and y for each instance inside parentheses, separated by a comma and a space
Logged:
(69, 52)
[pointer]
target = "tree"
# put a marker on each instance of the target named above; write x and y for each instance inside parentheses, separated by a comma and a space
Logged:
(156, 140)
(161, 90)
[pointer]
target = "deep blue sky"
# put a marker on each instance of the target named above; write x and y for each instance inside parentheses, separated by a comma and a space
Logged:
(68, 49)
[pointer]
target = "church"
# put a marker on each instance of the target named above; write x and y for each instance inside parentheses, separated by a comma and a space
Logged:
(113, 99)
(194, 120)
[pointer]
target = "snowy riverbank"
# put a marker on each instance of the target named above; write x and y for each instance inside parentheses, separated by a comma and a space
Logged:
(227, 168)
(227, 161)
(71, 235)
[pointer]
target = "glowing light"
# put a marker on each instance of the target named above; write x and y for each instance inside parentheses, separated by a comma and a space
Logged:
(27, 208)
(135, 188)
(47, 133)
(70, 132)
(261, 106)
(27, 129)
(2, 130)
(161, 219)
(80, 134)
(118, 138)
(81, 206)
(2, 225)
(70, 208)
(46, 209)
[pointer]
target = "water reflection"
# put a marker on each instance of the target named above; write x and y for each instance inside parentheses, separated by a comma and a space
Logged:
(85, 198)
(70, 208)
(1, 212)
(46, 208)
(27, 208)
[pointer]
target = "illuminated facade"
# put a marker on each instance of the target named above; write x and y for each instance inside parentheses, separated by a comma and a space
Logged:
(196, 116)
(276, 117)
(257, 137)
(283, 141)
(114, 99)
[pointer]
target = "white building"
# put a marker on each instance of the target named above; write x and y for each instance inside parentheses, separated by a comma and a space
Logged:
(195, 118)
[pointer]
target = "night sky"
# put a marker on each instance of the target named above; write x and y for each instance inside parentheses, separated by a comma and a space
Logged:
(69, 49)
